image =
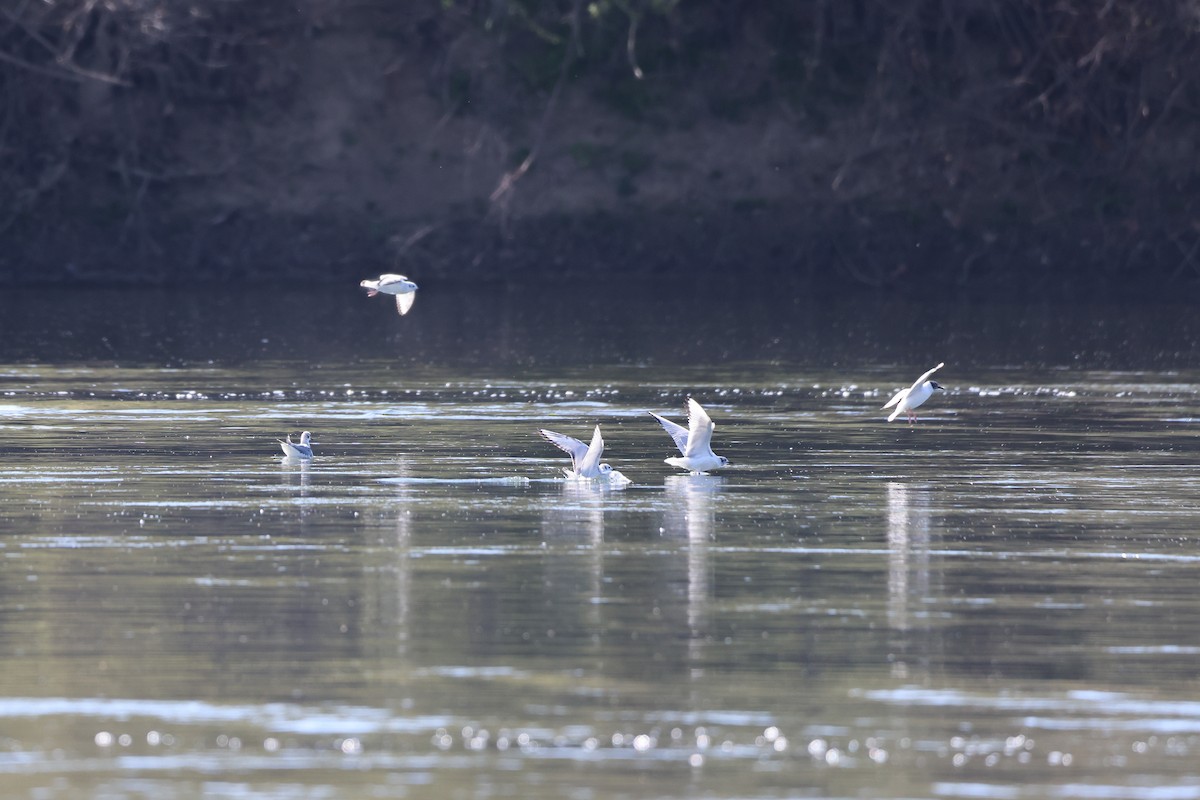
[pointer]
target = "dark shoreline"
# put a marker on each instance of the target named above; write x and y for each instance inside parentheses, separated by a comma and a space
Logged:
(786, 247)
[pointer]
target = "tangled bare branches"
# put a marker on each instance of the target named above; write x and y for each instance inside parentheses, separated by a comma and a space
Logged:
(98, 80)
(1100, 73)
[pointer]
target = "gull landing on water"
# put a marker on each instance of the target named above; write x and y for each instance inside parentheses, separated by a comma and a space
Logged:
(907, 400)
(404, 289)
(302, 450)
(694, 441)
(585, 459)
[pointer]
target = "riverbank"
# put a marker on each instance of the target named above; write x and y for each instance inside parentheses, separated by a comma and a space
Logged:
(413, 141)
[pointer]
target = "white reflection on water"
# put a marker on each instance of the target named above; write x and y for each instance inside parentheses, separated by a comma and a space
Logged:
(400, 554)
(908, 552)
(295, 472)
(1074, 791)
(690, 515)
(276, 717)
(909, 582)
(510, 480)
(1092, 702)
(578, 517)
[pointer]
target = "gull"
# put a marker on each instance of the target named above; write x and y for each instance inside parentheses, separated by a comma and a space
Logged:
(907, 400)
(404, 289)
(293, 450)
(694, 441)
(585, 459)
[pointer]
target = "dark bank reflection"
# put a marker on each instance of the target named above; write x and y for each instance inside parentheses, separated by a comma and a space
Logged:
(538, 327)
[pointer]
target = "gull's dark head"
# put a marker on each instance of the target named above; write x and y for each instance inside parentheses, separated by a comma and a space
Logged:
(724, 461)
(935, 384)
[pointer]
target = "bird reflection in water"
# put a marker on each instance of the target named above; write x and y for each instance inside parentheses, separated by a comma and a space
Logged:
(577, 521)
(691, 515)
(908, 535)
(394, 599)
(295, 472)
(385, 584)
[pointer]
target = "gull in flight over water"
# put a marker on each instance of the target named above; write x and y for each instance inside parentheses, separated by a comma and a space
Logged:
(694, 441)
(293, 450)
(404, 289)
(585, 459)
(907, 400)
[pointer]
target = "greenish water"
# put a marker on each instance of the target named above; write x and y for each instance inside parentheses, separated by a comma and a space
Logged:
(999, 601)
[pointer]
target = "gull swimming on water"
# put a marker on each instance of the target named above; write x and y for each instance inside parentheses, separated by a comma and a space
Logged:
(293, 450)
(694, 441)
(585, 459)
(907, 400)
(404, 289)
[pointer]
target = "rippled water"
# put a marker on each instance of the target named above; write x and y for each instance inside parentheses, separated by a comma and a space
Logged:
(997, 602)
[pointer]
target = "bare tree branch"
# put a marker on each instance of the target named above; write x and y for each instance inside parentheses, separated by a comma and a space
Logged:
(631, 46)
(502, 193)
(412, 239)
(67, 72)
(635, 18)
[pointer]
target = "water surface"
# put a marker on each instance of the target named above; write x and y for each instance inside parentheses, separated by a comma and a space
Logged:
(998, 601)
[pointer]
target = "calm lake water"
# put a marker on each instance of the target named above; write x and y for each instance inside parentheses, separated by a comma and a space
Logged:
(997, 602)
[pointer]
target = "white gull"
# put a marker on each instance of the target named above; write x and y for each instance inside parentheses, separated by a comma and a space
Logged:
(404, 290)
(907, 400)
(293, 450)
(694, 442)
(585, 459)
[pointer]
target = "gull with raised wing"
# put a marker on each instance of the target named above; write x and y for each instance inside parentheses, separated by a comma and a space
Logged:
(907, 400)
(694, 441)
(404, 290)
(302, 450)
(585, 459)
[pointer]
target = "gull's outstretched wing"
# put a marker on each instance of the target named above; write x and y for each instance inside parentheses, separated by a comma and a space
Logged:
(404, 302)
(576, 449)
(700, 430)
(589, 465)
(678, 433)
(925, 377)
(897, 397)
